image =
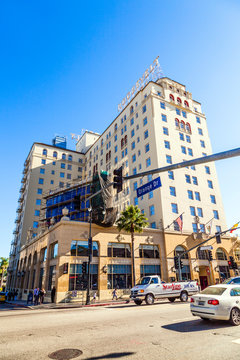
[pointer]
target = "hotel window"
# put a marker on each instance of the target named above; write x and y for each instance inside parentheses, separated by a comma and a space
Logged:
(194, 180)
(165, 131)
(210, 184)
(194, 227)
(170, 175)
(132, 121)
(150, 195)
(54, 162)
(39, 191)
(202, 228)
(188, 179)
(167, 144)
(144, 109)
(197, 196)
(139, 152)
(38, 201)
(69, 167)
(145, 121)
(134, 158)
(115, 138)
(172, 190)
(61, 184)
(215, 214)
(162, 105)
(133, 145)
(147, 148)
(184, 114)
(207, 170)
(69, 176)
(188, 138)
(169, 159)
(200, 212)
(52, 182)
(132, 133)
(174, 208)
(178, 112)
(200, 132)
(218, 229)
(44, 152)
(193, 167)
(37, 213)
(179, 100)
(190, 152)
(213, 199)
(35, 224)
(43, 161)
(135, 201)
(190, 194)
(181, 136)
(62, 165)
(55, 154)
(192, 211)
(198, 120)
(183, 149)
(148, 162)
(115, 148)
(40, 181)
(202, 143)
(171, 97)
(42, 171)
(135, 185)
(149, 251)
(153, 225)
(147, 270)
(164, 117)
(151, 210)
(146, 134)
(134, 171)
(62, 174)
(138, 139)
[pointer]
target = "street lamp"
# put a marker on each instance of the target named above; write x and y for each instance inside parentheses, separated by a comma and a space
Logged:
(89, 256)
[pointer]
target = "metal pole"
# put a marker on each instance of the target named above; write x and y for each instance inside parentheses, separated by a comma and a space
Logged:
(179, 269)
(89, 257)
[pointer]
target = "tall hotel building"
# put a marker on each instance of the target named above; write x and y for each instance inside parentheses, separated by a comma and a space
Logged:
(161, 125)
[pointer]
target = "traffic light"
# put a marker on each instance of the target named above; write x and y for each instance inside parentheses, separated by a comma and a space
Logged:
(84, 267)
(218, 238)
(76, 202)
(210, 257)
(118, 179)
(176, 262)
(231, 262)
(235, 266)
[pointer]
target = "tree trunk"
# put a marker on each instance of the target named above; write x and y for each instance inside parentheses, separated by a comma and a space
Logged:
(133, 260)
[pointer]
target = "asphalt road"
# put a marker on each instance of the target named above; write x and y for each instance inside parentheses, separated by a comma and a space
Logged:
(165, 331)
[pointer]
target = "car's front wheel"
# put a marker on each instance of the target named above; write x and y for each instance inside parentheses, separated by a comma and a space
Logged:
(235, 317)
(149, 299)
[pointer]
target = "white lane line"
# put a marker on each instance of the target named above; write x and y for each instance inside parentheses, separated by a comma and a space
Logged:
(237, 341)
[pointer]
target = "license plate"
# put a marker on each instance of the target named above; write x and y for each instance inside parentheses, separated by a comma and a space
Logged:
(201, 303)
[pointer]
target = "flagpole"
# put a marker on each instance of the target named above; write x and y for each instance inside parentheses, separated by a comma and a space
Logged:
(173, 222)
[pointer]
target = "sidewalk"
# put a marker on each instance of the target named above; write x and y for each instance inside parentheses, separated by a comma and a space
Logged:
(67, 305)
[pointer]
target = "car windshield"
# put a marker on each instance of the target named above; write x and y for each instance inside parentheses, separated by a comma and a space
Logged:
(213, 291)
(227, 281)
(145, 280)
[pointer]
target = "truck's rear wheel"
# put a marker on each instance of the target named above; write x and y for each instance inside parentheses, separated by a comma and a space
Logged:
(138, 302)
(149, 299)
(171, 299)
(184, 296)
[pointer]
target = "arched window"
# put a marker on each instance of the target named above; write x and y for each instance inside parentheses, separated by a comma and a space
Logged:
(131, 109)
(186, 103)
(179, 250)
(102, 142)
(220, 254)
(70, 157)
(29, 260)
(125, 139)
(171, 97)
(202, 254)
(64, 156)
(55, 154)
(44, 152)
(188, 127)
(179, 100)
(177, 123)
(182, 125)
(35, 258)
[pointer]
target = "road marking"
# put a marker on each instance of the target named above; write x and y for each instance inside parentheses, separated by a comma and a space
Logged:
(237, 341)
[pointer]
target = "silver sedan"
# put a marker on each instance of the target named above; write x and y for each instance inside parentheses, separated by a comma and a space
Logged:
(220, 302)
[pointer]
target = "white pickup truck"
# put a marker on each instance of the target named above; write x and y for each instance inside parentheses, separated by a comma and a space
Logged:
(151, 288)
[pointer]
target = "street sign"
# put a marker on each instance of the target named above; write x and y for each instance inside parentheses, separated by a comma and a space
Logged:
(150, 186)
(207, 247)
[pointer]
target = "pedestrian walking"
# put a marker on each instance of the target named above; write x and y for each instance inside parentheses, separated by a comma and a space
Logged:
(53, 292)
(94, 296)
(42, 293)
(36, 295)
(114, 293)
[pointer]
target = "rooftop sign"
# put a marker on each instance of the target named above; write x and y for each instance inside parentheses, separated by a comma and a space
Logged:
(153, 73)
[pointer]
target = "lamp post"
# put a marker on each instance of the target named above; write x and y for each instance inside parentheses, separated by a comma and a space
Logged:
(89, 256)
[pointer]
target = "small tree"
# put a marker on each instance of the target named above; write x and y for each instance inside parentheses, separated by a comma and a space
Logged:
(132, 220)
(3, 269)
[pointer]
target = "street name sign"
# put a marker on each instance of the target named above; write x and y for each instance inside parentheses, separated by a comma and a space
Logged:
(207, 247)
(150, 186)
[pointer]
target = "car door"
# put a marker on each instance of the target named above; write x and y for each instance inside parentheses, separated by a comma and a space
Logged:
(235, 297)
(154, 286)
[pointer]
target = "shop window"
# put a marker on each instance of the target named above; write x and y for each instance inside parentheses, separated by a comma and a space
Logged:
(119, 250)
(119, 276)
(149, 251)
(80, 248)
(78, 280)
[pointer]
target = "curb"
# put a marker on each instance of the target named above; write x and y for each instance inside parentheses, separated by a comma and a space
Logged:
(18, 305)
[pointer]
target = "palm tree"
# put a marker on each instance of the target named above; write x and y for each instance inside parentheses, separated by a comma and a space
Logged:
(3, 268)
(132, 220)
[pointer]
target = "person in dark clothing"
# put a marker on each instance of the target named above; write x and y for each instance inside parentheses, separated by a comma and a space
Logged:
(53, 292)
(41, 295)
(30, 298)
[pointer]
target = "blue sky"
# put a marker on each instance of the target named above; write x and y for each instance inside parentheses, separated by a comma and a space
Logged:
(65, 66)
